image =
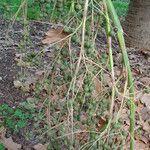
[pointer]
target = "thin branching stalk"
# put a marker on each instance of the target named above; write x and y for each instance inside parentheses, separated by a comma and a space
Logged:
(109, 41)
(70, 110)
(127, 66)
(108, 30)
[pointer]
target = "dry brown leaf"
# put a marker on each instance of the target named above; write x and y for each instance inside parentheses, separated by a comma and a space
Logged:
(48, 117)
(139, 107)
(101, 123)
(40, 73)
(2, 132)
(20, 61)
(98, 88)
(145, 114)
(29, 84)
(108, 79)
(139, 145)
(146, 126)
(145, 80)
(125, 116)
(55, 35)
(79, 82)
(145, 99)
(17, 84)
(18, 56)
(10, 144)
(41, 147)
(138, 95)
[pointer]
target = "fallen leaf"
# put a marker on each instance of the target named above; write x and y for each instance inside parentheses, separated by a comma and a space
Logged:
(40, 73)
(21, 63)
(145, 114)
(79, 82)
(139, 145)
(101, 123)
(10, 144)
(98, 86)
(29, 84)
(48, 117)
(144, 139)
(145, 99)
(139, 107)
(41, 147)
(108, 79)
(146, 126)
(55, 35)
(138, 95)
(18, 56)
(2, 132)
(145, 80)
(17, 84)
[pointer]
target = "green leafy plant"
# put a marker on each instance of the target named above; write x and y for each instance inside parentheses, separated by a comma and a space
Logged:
(2, 146)
(14, 119)
(121, 7)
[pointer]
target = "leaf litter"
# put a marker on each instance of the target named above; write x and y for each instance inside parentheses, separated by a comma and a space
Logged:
(8, 142)
(55, 35)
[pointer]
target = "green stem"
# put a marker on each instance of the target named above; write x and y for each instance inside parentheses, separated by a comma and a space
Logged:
(109, 42)
(127, 66)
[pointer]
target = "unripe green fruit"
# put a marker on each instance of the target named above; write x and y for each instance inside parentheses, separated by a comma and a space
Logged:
(78, 7)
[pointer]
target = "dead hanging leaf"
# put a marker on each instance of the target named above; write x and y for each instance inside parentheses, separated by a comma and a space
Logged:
(10, 144)
(41, 147)
(55, 35)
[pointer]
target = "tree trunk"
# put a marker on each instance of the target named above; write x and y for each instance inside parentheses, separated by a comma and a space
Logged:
(137, 25)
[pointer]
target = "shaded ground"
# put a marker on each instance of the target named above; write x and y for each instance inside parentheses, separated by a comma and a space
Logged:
(9, 70)
(10, 44)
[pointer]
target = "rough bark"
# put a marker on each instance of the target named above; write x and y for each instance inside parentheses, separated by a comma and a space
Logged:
(137, 25)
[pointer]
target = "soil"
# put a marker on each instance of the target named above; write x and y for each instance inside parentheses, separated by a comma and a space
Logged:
(10, 45)
(10, 41)
(8, 69)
